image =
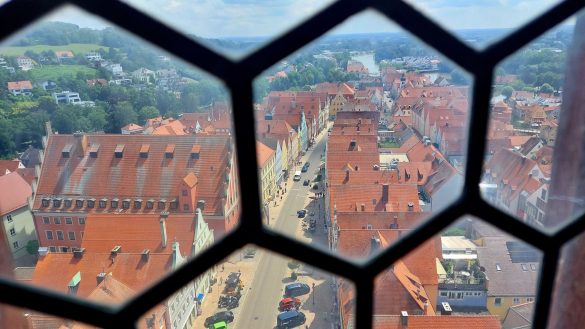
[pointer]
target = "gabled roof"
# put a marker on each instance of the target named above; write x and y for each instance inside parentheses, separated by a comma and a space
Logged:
(132, 127)
(134, 233)
(14, 192)
(132, 176)
(354, 198)
(8, 165)
(63, 53)
(263, 153)
(379, 220)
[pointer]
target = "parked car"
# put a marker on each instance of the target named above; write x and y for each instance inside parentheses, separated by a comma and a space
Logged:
(306, 182)
(290, 319)
(304, 169)
(296, 289)
(225, 316)
(288, 304)
(297, 176)
(302, 213)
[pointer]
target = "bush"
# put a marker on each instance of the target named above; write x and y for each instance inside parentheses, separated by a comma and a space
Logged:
(32, 247)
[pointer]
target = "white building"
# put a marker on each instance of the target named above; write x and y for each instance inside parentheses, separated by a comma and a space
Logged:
(67, 97)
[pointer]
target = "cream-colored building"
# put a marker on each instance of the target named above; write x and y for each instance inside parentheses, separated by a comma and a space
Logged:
(266, 162)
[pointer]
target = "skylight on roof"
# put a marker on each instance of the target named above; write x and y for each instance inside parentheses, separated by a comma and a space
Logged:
(498, 267)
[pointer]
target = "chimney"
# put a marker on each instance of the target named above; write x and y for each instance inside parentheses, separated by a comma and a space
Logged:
(82, 143)
(404, 319)
(374, 244)
(145, 255)
(385, 192)
(163, 227)
(100, 277)
(426, 307)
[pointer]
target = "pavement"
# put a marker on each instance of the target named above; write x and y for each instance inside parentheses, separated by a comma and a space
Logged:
(265, 275)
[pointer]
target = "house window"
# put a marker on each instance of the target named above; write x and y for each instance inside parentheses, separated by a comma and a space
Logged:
(516, 300)
(68, 220)
(49, 235)
(79, 203)
(186, 207)
(12, 232)
(81, 220)
(543, 194)
(102, 203)
(185, 193)
(60, 235)
(126, 204)
(529, 299)
(64, 249)
(114, 204)
(498, 301)
(15, 244)
(68, 203)
(9, 218)
(71, 235)
(149, 204)
(46, 220)
(444, 294)
(90, 203)
(45, 202)
(57, 220)
(161, 205)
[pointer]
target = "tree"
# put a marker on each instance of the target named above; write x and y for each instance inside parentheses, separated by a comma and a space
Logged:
(122, 115)
(98, 118)
(507, 91)
(32, 247)
(147, 112)
(546, 88)
(458, 78)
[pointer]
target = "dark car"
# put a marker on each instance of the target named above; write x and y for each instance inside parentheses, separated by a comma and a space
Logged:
(296, 289)
(227, 316)
(289, 304)
(302, 213)
(306, 182)
(290, 319)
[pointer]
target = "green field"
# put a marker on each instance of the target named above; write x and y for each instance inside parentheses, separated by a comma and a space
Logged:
(74, 47)
(52, 72)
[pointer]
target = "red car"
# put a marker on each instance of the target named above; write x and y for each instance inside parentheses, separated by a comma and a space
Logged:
(288, 304)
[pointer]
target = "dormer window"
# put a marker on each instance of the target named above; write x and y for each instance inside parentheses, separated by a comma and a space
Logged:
(126, 204)
(93, 150)
(150, 204)
(57, 202)
(137, 204)
(144, 151)
(103, 203)
(174, 204)
(169, 151)
(119, 151)
(91, 203)
(162, 204)
(114, 203)
(79, 203)
(66, 152)
(195, 151)
(45, 202)
(68, 203)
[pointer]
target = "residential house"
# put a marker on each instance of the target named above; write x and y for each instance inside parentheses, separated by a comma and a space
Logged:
(67, 97)
(18, 88)
(30, 158)
(144, 75)
(511, 268)
(96, 82)
(115, 68)
(279, 160)
(147, 174)
(266, 163)
(93, 56)
(356, 67)
(17, 221)
(25, 63)
(48, 85)
(64, 56)
(548, 132)
(535, 204)
(131, 129)
(280, 130)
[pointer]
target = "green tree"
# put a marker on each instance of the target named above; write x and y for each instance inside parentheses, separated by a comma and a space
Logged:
(458, 78)
(97, 117)
(32, 247)
(546, 88)
(122, 115)
(147, 112)
(507, 91)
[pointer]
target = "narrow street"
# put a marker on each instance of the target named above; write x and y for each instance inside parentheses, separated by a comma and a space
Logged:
(259, 303)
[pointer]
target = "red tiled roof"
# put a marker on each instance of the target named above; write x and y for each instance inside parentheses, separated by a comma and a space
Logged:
(17, 85)
(14, 192)
(63, 53)
(175, 127)
(132, 176)
(137, 232)
(369, 198)
(10, 165)
(438, 322)
(379, 220)
(263, 153)
(333, 88)
(132, 127)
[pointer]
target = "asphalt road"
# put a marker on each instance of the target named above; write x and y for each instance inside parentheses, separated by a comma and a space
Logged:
(259, 306)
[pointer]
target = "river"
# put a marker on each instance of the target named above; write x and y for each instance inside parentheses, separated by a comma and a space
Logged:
(368, 60)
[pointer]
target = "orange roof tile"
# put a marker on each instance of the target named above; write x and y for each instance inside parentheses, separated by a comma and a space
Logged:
(263, 153)
(438, 322)
(17, 85)
(14, 192)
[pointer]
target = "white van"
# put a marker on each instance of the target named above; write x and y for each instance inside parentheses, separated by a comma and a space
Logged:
(297, 176)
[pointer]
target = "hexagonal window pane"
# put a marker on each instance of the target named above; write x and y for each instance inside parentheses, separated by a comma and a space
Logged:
(234, 28)
(481, 23)
(255, 288)
(135, 160)
(532, 162)
(359, 132)
(472, 271)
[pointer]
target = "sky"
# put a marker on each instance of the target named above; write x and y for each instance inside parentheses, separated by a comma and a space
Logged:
(248, 18)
